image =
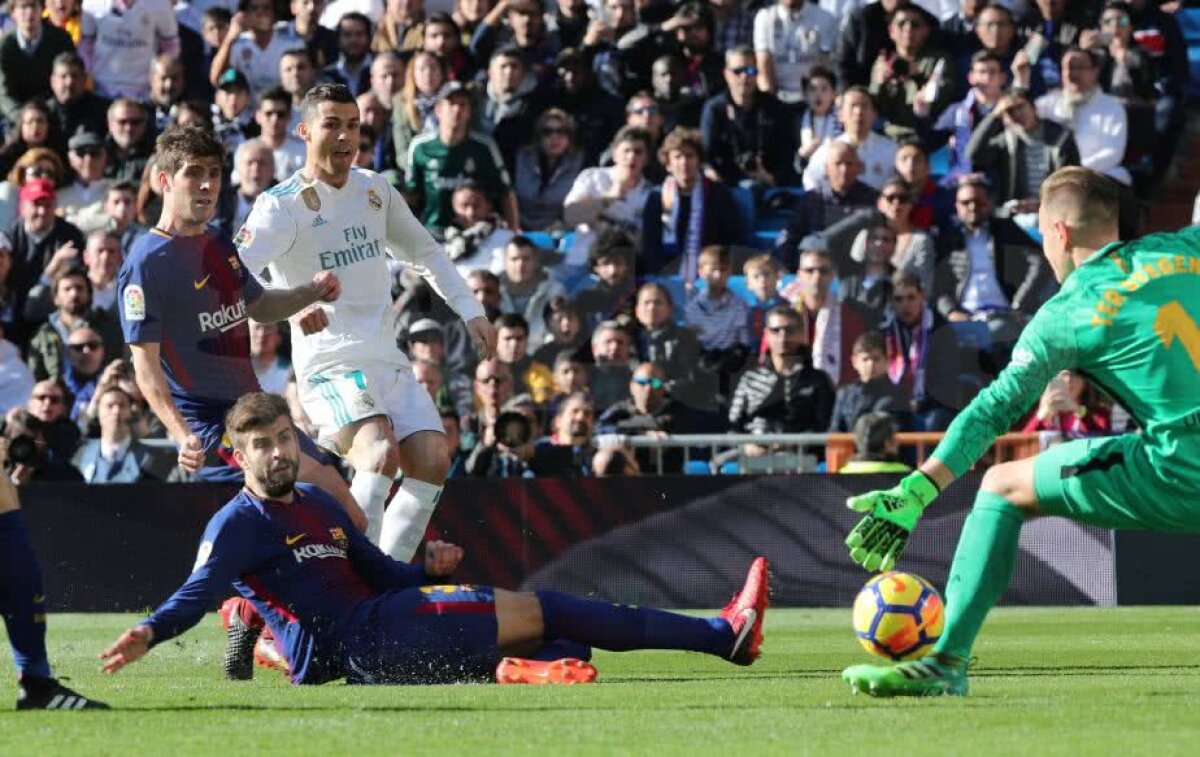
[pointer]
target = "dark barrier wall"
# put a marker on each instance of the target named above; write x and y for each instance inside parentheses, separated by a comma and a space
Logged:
(668, 541)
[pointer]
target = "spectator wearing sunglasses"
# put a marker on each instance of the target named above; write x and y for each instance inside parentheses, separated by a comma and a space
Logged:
(649, 411)
(83, 198)
(790, 37)
(37, 163)
(49, 350)
(747, 134)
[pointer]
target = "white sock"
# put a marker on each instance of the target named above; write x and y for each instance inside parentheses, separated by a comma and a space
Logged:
(370, 491)
(407, 517)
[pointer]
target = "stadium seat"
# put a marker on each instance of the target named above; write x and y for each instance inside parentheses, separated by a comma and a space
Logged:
(744, 199)
(939, 161)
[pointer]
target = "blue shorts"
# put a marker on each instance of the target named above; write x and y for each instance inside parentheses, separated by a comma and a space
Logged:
(433, 634)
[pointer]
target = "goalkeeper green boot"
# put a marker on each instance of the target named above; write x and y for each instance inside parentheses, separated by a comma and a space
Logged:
(932, 676)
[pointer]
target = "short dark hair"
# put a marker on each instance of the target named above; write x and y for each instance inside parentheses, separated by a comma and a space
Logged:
(872, 432)
(569, 355)
(300, 52)
(359, 17)
(324, 93)
(784, 311)
(511, 321)
(870, 341)
(217, 13)
(821, 72)
(72, 272)
(613, 242)
(441, 19)
(68, 59)
(253, 411)
(508, 51)
(633, 134)
(124, 185)
(522, 241)
(986, 56)
(654, 286)
(276, 94)
(907, 277)
(179, 144)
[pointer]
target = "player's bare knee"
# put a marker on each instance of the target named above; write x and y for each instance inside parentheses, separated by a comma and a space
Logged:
(423, 457)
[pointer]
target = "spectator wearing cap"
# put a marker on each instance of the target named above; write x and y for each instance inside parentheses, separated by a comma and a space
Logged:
(525, 29)
(119, 41)
(84, 197)
(545, 171)
(595, 112)
(353, 65)
(129, 141)
(688, 212)
(232, 114)
(747, 133)
(442, 160)
(36, 163)
(426, 342)
(27, 56)
(253, 46)
(511, 101)
(72, 300)
(526, 288)
(790, 37)
(42, 243)
(73, 108)
(837, 198)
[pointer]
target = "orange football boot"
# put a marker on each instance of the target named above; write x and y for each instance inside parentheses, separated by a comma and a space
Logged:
(566, 670)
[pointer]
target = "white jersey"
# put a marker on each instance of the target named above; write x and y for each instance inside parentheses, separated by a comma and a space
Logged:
(300, 228)
(126, 43)
(261, 66)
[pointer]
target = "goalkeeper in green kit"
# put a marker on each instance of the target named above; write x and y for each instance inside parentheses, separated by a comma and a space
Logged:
(1126, 318)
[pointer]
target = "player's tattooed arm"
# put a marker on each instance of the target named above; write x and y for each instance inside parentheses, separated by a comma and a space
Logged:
(280, 304)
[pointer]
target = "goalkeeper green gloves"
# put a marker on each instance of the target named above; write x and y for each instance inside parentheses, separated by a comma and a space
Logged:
(879, 538)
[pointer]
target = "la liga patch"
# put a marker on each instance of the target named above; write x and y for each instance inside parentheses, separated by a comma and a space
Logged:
(134, 300)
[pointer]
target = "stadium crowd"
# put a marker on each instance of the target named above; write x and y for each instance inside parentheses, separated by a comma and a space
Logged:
(681, 217)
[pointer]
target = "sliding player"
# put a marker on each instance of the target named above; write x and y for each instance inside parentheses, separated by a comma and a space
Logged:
(355, 383)
(23, 605)
(1126, 319)
(341, 608)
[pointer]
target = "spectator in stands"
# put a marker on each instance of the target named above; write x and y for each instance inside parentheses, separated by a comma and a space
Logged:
(511, 102)
(762, 281)
(864, 36)
(719, 317)
(566, 330)
(986, 77)
(485, 285)
(914, 79)
(73, 310)
(526, 30)
(253, 46)
(687, 213)
(66, 15)
(507, 445)
(830, 326)
(27, 57)
(643, 112)
(747, 133)
(546, 170)
(426, 340)
(297, 75)
(610, 377)
(476, 236)
(42, 243)
(450, 155)
(609, 197)
(994, 31)
(526, 289)
(913, 247)
(413, 109)
(119, 43)
(429, 375)
(233, 111)
(571, 374)
(569, 20)
(621, 47)
(693, 28)
(1018, 150)
(596, 112)
(120, 207)
(819, 121)
(649, 411)
(254, 164)
(790, 37)
(12, 321)
(878, 153)
(610, 296)
(1097, 120)
(988, 269)
(83, 199)
(661, 341)
(166, 89)
(305, 30)
(272, 368)
(786, 394)
(72, 107)
(402, 27)
(910, 336)
(37, 163)
(1158, 33)
(353, 64)
(512, 348)
(31, 130)
(85, 359)
(1127, 70)
(875, 447)
(443, 39)
(492, 388)
(1071, 406)
(733, 24)
(568, 451)
(117, 457)
(128, 141)
(16, 381)
(273, 114)
(871, 286)
(934, 204)
(680, 106)
(615, 461)
(874, 392)
(839, 196)
(52, 448)
(1050, 28)
(103, 257)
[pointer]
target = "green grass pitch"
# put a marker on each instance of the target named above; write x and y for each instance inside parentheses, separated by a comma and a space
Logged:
(1047, 681)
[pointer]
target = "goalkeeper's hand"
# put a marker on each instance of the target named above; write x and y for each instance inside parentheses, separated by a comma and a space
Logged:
(879, 538)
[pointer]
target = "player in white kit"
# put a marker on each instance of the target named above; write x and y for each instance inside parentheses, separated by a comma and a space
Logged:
(355, 383)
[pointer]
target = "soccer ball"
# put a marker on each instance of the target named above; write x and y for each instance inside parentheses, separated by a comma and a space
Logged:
(898, 616)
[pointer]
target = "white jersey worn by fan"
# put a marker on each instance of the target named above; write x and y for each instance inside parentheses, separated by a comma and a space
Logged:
(353, 369)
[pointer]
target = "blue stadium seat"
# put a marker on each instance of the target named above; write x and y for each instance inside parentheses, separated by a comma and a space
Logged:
(697, 468)
(764, 239)
(542, 239)
(939, 161)
(744, 199)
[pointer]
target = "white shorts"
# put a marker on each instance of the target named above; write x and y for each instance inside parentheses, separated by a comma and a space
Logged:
(337, 397)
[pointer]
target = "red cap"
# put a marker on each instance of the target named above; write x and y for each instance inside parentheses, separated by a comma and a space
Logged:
(37, 189)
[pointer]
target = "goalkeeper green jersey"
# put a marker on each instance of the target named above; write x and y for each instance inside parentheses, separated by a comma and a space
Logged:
(1126, 319)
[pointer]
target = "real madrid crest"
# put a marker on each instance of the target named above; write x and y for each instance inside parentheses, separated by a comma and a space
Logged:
(311, 200)
(374, 200)
(364, 401)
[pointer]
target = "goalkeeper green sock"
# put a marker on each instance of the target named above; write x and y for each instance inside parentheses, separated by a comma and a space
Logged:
(981, 571)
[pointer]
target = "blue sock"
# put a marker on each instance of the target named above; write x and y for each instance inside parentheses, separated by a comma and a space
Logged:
(560, 649)
(21, 599)
(620, 628)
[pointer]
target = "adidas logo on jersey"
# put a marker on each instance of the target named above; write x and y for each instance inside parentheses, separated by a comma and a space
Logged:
(319, 221)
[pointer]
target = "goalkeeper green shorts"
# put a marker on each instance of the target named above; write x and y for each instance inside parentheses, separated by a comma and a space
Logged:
(1111, 482)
